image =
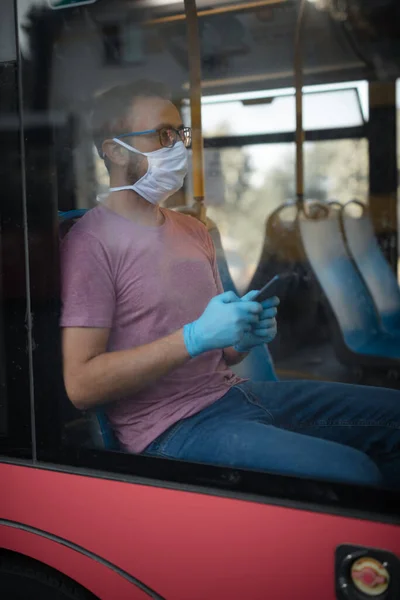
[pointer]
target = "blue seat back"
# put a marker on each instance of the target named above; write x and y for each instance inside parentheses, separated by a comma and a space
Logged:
(258, 364)
(301, 321)
(338, 277)
(101, 432)
(378, 276)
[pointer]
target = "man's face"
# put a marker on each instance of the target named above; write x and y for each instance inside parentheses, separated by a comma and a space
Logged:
(147, 113)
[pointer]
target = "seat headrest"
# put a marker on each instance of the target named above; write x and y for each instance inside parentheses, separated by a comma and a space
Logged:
(67, 220)
(379, 276)
(344, 289)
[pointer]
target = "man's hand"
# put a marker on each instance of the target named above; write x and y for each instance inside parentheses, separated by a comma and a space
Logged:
(265, 330)
(223, 323)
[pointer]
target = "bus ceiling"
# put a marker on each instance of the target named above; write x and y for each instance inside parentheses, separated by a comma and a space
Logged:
(244, 45)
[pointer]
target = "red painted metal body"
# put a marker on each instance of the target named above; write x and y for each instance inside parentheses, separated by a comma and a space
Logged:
(181, 544)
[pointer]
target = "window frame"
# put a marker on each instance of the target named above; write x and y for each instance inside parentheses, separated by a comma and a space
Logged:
(16, 436)
(317, 135)
(326, 133)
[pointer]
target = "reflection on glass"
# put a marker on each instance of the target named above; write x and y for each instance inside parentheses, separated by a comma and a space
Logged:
(90, 50)
(254, 185)
(250, 182)
(337, 170)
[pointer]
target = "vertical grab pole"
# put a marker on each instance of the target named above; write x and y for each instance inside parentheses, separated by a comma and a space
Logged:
(298, 75)
(195, 104)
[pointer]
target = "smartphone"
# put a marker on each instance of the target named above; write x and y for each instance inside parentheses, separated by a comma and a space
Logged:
(277, 286)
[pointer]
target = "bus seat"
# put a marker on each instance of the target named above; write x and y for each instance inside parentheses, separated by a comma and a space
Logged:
(358, 338)
(258, 364)
(378, 276)
(101, 432)
(301, 318)
(99, 429)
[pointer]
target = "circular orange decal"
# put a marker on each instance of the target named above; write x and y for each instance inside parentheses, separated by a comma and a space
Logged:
(370, 576)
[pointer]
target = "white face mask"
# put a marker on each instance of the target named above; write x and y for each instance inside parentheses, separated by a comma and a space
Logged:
(166, 171)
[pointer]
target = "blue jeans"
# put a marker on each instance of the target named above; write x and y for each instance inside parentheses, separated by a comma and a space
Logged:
(328, 431)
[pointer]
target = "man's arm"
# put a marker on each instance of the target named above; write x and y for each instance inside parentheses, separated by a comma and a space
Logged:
(94, 376)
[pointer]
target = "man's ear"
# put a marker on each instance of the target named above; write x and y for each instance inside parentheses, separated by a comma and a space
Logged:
(115, 153)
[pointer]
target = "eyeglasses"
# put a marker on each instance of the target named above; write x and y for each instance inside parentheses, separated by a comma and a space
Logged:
(168, 136)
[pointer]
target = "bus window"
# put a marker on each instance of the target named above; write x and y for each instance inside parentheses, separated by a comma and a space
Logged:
(255, 181)
(273, 111)
(256, 177)
(337, 169)
(102, 64)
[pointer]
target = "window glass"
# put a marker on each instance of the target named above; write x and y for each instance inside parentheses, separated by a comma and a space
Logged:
(255, 180)
(245, 185)
(105, 276)
(337, 170)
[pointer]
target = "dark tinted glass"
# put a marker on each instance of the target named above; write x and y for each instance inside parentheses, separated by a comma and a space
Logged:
(15, 400)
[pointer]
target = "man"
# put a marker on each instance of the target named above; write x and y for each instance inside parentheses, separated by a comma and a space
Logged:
(148, 332)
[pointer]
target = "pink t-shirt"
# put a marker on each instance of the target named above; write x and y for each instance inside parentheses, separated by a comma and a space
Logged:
(145, 283)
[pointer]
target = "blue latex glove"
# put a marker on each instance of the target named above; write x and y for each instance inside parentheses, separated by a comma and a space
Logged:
(265, 330)
(223, 323)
